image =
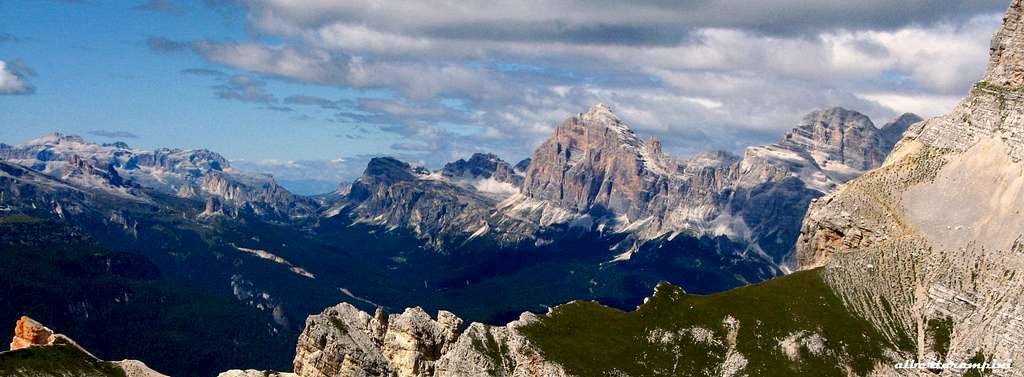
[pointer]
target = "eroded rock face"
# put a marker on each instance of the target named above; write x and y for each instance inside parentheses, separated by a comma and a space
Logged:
(343, 341)
(928, 245)
(839, 135)
(484, 351)
(28, 332)
(593, 159)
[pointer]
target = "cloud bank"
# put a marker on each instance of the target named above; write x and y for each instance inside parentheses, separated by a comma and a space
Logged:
(484, 76)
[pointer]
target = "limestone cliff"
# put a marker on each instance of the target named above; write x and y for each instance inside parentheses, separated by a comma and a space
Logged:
(928, 245)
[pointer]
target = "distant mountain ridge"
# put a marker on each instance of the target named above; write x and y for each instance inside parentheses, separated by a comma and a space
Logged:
(116, 168)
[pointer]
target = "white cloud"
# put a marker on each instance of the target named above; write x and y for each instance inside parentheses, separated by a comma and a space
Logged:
(923, 105)
(12, 81)
(698, 75)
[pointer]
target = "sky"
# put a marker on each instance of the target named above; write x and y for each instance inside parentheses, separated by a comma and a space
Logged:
(308, 89)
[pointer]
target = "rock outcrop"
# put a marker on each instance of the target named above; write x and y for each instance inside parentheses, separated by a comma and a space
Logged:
(30, 335)
(28, 332)
(928, 245)
(346, 342)
(343, 341)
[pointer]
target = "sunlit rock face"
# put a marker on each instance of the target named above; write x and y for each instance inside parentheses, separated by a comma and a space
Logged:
(346, 342)
(594, 164)
(928, 245)
(343, 341)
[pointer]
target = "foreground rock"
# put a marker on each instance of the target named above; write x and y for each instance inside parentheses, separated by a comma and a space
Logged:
(36, 351)
(799, 327)
(346, 342)
(928, 246)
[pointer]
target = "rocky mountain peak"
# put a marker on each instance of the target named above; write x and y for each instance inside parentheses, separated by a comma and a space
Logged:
(902, 122)
(601, 118)
(382, 172)
(1006, 55)
(835, 118)
(600, 111)
(592, 159)
(482, 166)
(523, 164)
(893, 131)
(838, 135)
(389, 169)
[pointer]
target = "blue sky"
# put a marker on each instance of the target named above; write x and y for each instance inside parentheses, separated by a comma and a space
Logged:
(94, 71)
(287, 87)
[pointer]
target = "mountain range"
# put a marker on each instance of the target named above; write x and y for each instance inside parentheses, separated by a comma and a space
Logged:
(911, 269)
(595, 213)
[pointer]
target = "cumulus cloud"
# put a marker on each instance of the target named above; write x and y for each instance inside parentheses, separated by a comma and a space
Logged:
(13, 78)
(467, 77)
(609, 21)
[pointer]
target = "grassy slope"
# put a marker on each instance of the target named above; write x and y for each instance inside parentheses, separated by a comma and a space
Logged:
(594, 340)
(60, 360)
